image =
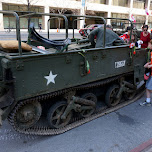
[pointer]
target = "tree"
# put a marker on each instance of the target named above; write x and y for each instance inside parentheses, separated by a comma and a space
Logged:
(63, 10)
(30, 4)
(30, 7)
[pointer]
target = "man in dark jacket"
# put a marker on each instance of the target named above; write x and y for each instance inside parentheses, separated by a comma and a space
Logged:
(99, 33)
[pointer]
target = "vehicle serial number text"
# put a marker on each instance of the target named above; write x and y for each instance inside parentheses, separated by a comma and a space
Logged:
(120, 64)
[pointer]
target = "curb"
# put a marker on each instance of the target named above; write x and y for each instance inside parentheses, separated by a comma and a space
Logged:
(144, 147)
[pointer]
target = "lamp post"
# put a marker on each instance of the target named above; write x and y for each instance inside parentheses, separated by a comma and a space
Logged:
(82, 22)
(28, 8)
(28, 5)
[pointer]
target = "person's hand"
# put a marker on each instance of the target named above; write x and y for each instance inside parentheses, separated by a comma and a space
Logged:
(149, 66)
(146, 65)
(149, 46)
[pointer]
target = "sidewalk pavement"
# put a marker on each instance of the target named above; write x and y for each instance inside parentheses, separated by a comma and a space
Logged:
(144, 147)
(43, 31)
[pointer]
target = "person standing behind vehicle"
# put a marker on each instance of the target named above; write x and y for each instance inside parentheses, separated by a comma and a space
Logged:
(40, 27)
(126, 35)
(99, 34)
(145, 37)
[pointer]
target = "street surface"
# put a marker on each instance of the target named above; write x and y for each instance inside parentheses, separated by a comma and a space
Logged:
(119, 131)
(24, 35)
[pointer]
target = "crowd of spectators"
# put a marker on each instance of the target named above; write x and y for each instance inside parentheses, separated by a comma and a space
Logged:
(129, 37)
(142, 42)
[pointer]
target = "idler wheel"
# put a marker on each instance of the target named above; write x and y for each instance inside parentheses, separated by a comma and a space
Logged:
(89, 109)
(55, 113)
(28, 115)
(110, 97)
(129, 96)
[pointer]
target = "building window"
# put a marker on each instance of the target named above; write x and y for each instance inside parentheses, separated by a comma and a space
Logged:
(139, 21)
(139, 4)
(150, 22)
(150, 5)
(123, 3)
(118, 23)
(97, 1)
(94, 20)
(21, 8)
(10, 22)
(60, 22)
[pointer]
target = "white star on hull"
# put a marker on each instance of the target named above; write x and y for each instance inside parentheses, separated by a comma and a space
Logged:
(50, 78)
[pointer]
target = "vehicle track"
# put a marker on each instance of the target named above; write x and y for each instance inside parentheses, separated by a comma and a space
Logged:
(44, 130)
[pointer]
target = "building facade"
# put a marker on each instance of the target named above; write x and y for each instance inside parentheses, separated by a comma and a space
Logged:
(105, 8)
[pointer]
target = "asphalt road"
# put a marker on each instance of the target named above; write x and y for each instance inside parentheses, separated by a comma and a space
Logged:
(119, 131)
(24, 35)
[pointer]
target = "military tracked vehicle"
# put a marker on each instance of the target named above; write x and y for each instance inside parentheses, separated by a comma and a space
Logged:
(49, 91)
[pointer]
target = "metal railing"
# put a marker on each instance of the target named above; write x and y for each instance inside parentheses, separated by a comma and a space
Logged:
(18, 35)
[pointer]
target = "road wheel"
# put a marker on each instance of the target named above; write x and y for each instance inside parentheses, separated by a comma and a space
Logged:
(129, 96)
(55, 113)
(28, 115)
(88, 112)
(110, 97)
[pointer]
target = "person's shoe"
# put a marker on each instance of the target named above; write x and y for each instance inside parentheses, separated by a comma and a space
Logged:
(145, 104)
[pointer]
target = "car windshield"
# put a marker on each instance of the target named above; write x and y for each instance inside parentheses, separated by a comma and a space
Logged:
(89, 26)
(93, 25)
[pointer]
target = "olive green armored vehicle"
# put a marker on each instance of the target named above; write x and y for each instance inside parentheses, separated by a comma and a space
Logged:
(50, 86)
